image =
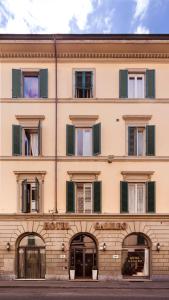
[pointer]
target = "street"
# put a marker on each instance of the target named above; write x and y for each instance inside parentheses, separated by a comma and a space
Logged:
(87, 293)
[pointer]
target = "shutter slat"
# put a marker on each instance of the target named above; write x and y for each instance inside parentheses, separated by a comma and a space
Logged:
(70, 196)
(124, 197)
(16, 83)
(43, 89)
(24, 197)
(150, 83)
(70, 140)
(150, 140)
(123, 84)
(97, 191)
(16, 140)
(97, 139)
(151, 197)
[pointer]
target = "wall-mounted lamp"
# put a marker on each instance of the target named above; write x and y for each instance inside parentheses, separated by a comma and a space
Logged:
(63, 247)
(158, 247)
(104, 246)
(8, 246)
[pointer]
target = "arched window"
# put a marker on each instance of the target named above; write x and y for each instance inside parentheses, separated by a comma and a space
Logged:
(31, 257)
(135, 256)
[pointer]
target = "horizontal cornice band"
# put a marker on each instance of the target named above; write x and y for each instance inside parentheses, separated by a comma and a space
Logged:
(84, 55)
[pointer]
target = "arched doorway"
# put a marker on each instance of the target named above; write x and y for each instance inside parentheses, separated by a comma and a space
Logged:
(136, 256)
(31, 257)
(83, 255)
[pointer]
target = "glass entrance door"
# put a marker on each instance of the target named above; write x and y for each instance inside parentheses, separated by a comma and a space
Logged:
(83, 256)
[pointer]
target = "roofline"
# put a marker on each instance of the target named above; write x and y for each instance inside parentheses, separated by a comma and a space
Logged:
(84, 36)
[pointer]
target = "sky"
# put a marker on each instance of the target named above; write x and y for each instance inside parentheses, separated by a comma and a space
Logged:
(84, 16)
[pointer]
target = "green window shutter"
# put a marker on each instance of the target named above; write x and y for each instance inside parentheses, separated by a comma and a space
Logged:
(97, 191)
(131, 140)
(150, 83)
(37, 204)
(150, 140)
(151, 197)
(39, 139)
(124, 197)
(83, 84)
(97, 139)
(123, 84)
(70, 196)
(70, 140)
(25, 200)
(16, 83)
(43, 89)
(16, 140)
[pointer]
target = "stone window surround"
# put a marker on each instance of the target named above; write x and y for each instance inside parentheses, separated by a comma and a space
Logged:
(137, 176)
(83, 176)
(30, 121)
(83, 120)
(135, 121)
(30, 176)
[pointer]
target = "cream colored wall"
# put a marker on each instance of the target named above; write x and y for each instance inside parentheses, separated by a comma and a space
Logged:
(113, 133)
(107, 77)
(6, 76)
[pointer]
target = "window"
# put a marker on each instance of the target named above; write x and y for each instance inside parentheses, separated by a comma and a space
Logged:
(136, 197)
(83, 141)
(30, 189)
(27, 137)
(83, 84)
(136, 141)
(141, 140)
(137, 83)
(136, 87)
(30, 196)
(84, 197)
(83, 193)
(29, 83)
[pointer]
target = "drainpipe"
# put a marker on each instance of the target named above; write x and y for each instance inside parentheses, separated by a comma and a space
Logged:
(56, 109)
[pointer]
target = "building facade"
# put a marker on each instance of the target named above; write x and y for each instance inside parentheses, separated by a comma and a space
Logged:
(84, 159)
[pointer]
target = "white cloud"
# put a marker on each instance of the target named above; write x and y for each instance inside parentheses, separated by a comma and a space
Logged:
(141, 8)
(142, 29)
(52, 16)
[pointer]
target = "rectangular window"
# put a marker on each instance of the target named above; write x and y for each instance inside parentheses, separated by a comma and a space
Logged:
(83, 197)
(137, 197)
(136, 141)
(84, 141)
(30, 85)
(136, 86)
(83, 84)
(30, 142)
(30, 196)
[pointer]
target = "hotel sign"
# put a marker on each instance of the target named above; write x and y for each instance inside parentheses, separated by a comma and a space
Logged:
(56, 226)
(110, 226)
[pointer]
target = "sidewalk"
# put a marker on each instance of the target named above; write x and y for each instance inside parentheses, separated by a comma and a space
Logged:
(84, 284)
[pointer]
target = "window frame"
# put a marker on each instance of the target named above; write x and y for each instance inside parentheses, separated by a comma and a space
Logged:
(76, 197)
(136, 204)
(29, 74)
(137, 127)
(136, 75)
(23, 144)
(93, 70)
(76, 140)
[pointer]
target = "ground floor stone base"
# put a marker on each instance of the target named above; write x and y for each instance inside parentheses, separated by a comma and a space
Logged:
(41, 247)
